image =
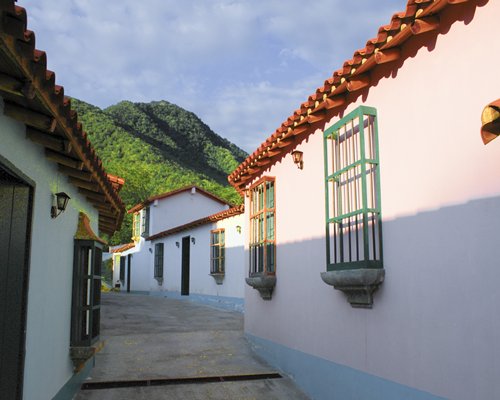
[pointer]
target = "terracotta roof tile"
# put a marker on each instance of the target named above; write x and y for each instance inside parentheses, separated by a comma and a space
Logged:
(420, 16)
(123, 248)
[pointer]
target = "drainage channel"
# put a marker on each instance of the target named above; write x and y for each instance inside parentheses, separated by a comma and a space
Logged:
(177, 381)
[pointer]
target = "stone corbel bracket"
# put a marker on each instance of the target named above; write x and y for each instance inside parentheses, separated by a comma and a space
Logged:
(218, 278)
(264, 284)
(81, 354)
(358, 284)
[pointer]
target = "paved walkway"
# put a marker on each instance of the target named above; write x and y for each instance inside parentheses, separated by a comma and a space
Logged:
(158, 342)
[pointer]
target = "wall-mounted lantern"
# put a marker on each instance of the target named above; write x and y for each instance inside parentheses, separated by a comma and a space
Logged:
(59, 204)
(193, 240)
(177, 244)
(297, 158)
(238, 228)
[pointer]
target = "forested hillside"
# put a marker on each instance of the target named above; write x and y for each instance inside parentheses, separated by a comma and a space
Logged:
(157, 147)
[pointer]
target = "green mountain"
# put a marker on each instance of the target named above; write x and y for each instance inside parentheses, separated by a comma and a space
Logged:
(157, 147)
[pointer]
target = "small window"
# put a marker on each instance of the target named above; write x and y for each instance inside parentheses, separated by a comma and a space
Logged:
(217, 251)
(352, 187)
(262, 227)
(158, 272)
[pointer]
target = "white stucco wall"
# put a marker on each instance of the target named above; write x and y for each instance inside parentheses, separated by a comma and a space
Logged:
(47, 364)
(434, 319)
(200, 280)
(180, 209)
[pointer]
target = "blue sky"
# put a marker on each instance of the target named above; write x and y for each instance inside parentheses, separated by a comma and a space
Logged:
(243, 66)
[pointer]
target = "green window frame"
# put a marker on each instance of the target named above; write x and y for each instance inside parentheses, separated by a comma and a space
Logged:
(158, 267)
(262, 244)
(86, 302)
(217, 251)
(352, 192)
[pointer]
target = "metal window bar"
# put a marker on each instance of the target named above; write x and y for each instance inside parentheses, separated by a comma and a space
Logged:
(217, 252)
(352, 192)
(158, 272)
(262, 225)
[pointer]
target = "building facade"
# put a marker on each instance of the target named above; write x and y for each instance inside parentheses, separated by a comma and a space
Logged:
(373, 214)
(49, 330)
(187, 242)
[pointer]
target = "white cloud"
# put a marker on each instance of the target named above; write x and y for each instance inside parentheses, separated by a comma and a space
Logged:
(241, 65)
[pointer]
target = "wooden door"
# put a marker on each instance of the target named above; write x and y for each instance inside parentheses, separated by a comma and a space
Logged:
(185, 265)
(129, 267)
(15, 224)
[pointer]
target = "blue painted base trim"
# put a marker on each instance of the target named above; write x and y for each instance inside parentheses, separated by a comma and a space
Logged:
(220, 302)
(71, 387)
(322, 379)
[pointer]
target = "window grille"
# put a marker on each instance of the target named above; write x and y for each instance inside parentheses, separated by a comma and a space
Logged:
(217, 251)
(352, 187)
(262, 228)
(158, 272)
(145, 222)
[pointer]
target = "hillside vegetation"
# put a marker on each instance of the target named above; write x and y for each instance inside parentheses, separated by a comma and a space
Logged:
(157, 147)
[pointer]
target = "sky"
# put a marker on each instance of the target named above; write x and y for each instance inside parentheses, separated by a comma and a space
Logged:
(243, 66)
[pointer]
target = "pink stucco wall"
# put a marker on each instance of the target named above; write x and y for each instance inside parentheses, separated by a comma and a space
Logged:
(441, 210)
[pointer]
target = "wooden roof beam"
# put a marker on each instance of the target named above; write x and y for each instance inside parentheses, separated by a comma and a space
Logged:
(76, 173)
(49, 141)
(17, 87)
(92, 196)
(30, 117)
(94, 187)
(62, 159)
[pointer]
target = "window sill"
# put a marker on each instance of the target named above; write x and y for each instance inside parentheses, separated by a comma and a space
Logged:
(218, 276)
(358, 284)
(81, 354)
(159, 280)
(263, 283)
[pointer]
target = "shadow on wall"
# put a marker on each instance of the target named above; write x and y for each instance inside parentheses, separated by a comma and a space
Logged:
(437, 307)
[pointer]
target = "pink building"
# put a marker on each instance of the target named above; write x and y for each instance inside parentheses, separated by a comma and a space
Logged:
(396, 204)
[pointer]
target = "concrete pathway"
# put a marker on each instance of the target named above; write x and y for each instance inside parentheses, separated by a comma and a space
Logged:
(158, 342)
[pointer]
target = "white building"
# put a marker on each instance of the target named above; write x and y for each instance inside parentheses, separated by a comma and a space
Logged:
(390, 141)
(50, 263)
(187, 242)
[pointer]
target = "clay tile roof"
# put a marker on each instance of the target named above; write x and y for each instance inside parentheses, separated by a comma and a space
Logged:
(31, 96)
(161, 196)
(123, 248)
(116, 181)
(231, 212)
(333, 97)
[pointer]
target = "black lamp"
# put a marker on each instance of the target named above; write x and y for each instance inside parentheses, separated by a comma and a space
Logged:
(61, 201)
(297, 158)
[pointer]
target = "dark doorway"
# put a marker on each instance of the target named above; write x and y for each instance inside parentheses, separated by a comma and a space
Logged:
(129, 265)
(185, 266)
(16, 198)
